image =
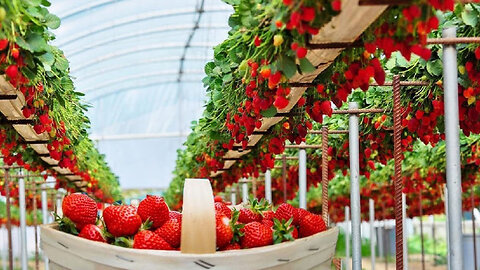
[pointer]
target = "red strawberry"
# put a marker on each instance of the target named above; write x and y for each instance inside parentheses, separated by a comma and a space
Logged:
(80, 209)
(171, 231)
(232, 246)
(256, 235)
(12, 71)
(285, 211)
(311, 224)
(175, 215)
(301, 213)
(222, 208)
(267, 222)
(149, 240)
(247, 216)
(121, 220)
(268, 215)
(3, 44)
(92, 232)
(154, 209)
(223, 230)
(218, 198)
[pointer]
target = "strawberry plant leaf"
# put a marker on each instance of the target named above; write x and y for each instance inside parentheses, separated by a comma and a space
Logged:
(270, 112)
(306, 66)
(37, 42)
(287, 65)
(435, 67)
(52, 21)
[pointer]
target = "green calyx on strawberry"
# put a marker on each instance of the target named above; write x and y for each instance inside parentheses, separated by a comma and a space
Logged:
(65, 224)
(236, 227)
(253, 212)
(284, 231)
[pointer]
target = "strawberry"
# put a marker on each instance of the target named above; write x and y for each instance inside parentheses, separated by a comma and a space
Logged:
(311, 224)
(247, 216)
(285, 212)
(149, 240)
(154, 209)
(12, 71)
(267, 222)
(223, 230)
(121, 220)
(171, 231)
(268, 215)
(175, 215)
(256, 235)
(222, 208)
(284, 231)
(92, 232)
(80, 209)
(218, 198)
(301, 213)
(232, 246)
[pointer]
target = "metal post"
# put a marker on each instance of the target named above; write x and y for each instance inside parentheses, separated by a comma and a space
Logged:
(405, 239)
(397, 149)
(371, 208)
(421, 230)
(473, 230)
(23, 221)
(380, 239)
(347, 237)
(44, 218)
(35, 228)
(245, 192)
(325, 175)
(284, 177)
(355, 187)
(58, 208)
(9, 219)
(268, 186)
(450, 83)
(446, 221)
(254, 187)
(302, 178)
(233, 195)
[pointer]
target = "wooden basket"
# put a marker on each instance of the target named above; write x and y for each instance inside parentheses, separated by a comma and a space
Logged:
(67, 251)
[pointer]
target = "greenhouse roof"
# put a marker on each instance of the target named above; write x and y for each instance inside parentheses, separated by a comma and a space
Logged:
(140, 65)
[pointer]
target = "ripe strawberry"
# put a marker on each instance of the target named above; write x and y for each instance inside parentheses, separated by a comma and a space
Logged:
(12, 71)
(285, 211)
(218, 198)
(149, 240)
(311, 224)
(175, 215)
(222, 208)
(267, 222)
(247, 216)
(121, 220)
(3, 44)
(232, 246)
(268, 215)
(223, 230)
(301, 213)
(171, 231)
(92, 232)
(256, 235)
(80, 209)
(154, 209)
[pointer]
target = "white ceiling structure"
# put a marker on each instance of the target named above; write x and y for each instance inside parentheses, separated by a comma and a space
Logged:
(140, 64)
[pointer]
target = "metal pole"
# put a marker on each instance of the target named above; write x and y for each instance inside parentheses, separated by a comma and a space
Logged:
(325, 175)
(254, 187)
(447, 222)
(421, 230)
(450, 83)
(284, 177)
(371, 208)
(23, 222)
(245, 192)
(473, 230)
(35, 229)
(58, 207)
(405, 239)
(347, 237)
(302, 177)
(268, 186)
(9, 220)
(355, 187)
(397, 149)
(233, 195)
(44, 218)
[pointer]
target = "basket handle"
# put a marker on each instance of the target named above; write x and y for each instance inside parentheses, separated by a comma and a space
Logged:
(198, 218)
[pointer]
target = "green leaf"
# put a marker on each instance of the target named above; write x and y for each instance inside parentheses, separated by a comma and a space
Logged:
(434, 67)
(23, 44)
(470, 16)
(306, 66)
(61, 63)
(227, 78)
(52, 21)
(287, 65)
(37, 42)
(47, 60)
(270, 112)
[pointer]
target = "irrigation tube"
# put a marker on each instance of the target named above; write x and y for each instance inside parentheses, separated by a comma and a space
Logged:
(302, 177)
(23, 221)
(268, 186)
(355, 187)
(450, 83)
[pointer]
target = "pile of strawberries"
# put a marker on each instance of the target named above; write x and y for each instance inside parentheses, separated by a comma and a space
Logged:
(153, 226)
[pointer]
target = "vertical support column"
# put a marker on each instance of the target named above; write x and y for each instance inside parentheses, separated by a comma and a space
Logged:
(473, 230)
(268, 186)
(325, 175)
(355, 187)
(421, 228)
(302, 177)
(9, 219)
(254, 187)
(347, 238)
(450, 83)
(58, 203)
(397, 151)
(34, 190)
(284, 177)
(244, 191)
(44, 217)
(445, 192)
(23, 221)
(405, 242)
(233, 195)
(371, 208)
